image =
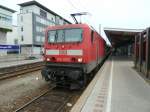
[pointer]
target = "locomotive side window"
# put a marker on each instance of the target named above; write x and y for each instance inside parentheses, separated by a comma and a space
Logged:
(92, 36)
(51, 36)
(73, 35)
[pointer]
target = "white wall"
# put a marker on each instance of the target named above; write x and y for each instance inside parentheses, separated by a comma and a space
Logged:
(27, 28)
(26, 50)
(29, 51)
(3, 41)
(2, 37)
(36, 9)
(11, 36)
(31, 8)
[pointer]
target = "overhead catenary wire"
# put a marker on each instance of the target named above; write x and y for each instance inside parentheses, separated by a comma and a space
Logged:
(78, 9)
(73, 6)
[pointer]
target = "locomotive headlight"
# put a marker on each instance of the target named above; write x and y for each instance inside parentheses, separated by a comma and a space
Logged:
(79, 59)
(48, 59)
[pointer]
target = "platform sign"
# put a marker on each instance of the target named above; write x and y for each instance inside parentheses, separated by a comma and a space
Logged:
(9, 47)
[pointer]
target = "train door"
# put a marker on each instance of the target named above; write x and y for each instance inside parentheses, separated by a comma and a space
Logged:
(96, 48)
(97, 51)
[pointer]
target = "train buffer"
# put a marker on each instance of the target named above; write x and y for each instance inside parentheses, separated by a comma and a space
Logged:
(117, 87)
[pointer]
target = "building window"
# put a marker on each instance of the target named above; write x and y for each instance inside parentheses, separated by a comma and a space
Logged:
(21, 18)
(42, 39)
(5, 18)
(38, 38)
(43, 13)
(22, 28)
(21, 11)
(38, 19)
(22, 39)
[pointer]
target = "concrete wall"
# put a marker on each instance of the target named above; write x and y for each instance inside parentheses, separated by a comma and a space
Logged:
(3, 41)
(26, 50)
(25, 24)
(35, 9)
(31, 8)
(2, 37)
(12, 36)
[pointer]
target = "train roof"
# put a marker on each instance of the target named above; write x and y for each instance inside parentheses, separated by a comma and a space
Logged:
(69, 26)
(72, 26)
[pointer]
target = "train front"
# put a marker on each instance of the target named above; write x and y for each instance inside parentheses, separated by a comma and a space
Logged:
(64, 56)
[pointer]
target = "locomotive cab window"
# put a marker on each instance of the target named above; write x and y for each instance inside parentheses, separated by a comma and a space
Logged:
(65, 35)
(73, 35)
(51, 36)
(60, 36)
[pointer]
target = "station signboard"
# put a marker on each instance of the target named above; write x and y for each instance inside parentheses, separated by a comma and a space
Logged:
(9, 47)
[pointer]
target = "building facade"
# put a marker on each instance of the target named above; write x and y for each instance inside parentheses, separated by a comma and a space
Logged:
(32, 22)
(5, 26)
(13, 37)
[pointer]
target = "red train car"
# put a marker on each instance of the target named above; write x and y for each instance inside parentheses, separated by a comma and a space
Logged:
(71, 52)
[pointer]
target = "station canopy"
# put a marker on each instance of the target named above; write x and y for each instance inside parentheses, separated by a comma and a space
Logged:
(119, 37)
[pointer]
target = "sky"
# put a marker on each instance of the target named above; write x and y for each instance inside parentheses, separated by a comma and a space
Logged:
(130, 14)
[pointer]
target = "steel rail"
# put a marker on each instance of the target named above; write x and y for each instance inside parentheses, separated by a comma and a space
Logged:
(21, 71)
(34, 99)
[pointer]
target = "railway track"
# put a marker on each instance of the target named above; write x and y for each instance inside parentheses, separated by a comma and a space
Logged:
(53, 100)
(14, 71)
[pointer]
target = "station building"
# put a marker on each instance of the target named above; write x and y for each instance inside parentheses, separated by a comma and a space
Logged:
(5, 26)
(32, 21)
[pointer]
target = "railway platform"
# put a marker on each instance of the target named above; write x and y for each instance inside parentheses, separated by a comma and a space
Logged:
(18, 63)
(117, 87)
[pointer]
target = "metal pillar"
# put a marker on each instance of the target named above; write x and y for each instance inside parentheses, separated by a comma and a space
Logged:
(148, 53)
(140, 51)
(135, 51)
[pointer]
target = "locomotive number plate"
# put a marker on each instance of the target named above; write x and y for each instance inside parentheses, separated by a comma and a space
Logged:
(63, 52)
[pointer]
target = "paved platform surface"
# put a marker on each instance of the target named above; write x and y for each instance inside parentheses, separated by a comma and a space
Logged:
(16, 57)
(17, 63)
(117, 87)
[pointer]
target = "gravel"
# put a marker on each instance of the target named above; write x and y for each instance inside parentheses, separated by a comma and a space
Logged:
(17, 91)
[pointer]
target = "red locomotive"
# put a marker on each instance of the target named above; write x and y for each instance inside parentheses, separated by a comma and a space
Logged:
(71, 52)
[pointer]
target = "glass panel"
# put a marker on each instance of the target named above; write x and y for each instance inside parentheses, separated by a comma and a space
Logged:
(38, 38)
(73, 35)
(66, 35)
(43, 13)
(43, 39)
(60, 36)
(51, 36)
